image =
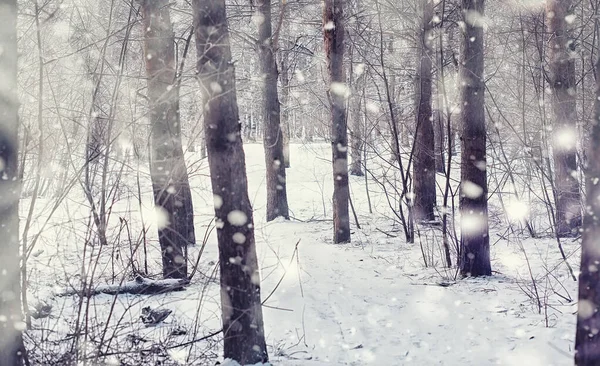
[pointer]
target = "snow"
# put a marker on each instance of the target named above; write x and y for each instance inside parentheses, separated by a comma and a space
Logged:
(237, 218)
(230, 362)
(371, 302)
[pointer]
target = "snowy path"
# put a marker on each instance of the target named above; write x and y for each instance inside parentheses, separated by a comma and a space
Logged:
(361, 308)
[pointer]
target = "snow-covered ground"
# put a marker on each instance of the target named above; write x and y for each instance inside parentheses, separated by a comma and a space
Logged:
(369, 302)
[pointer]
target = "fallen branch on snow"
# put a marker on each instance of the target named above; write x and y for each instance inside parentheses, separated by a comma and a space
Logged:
(140, 286)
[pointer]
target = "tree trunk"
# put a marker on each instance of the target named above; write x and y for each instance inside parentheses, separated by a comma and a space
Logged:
(440, 107)
(170, 184)
(587, 340)
(356, 135)
(474, 241)
(398, 131)
(285, 126)
(285, 113)
(424, 163)
(334, 48)
(240, 279)
(202, 148)
(11, 339)
(440, 141)
(277, 204)
(563, 83)
(284, 78)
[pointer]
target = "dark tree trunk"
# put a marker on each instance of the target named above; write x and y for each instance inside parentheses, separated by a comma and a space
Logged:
(277, 204)
(563, 83)
(424, 164)
(474, 241)
(587, 340)
(334, 48)
(170, 184)
(440, 141)
(240, 279)
(11, 339)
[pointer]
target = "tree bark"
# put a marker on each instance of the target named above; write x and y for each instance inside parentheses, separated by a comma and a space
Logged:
(474, 241)
(333, 31)
(285, 113)
(587, 340)
(424, 163)
(11, 340)
(562, 81)
(139, 286)
(356, 132)
(244, 339)
(440, 107)
(284, 78)
(172, 195)
(440, 141)
(277, 204)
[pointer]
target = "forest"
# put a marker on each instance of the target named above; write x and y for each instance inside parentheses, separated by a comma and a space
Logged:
(299, 182)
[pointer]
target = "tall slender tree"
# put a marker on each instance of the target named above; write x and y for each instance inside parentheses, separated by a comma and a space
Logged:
(474, 241)
(11, 339)
(424, 164)
(333, 30)
(562, 81)
(172, 195)
(277, 204)
(587, 340)
(356, 135)
(357, 77)
(285, 63)
(240, 279)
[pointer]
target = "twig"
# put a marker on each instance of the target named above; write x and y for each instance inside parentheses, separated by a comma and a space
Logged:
(386, 233)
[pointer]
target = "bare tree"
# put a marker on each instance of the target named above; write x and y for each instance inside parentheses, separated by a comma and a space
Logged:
(11, 341)
(424, 151)
(587, 340)
(474, 241)
(357, 83)
(170, 183)
(333, 31)
(240, 279)
(562, 81)
(277, 204)
(283, 56)
(356, 134)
